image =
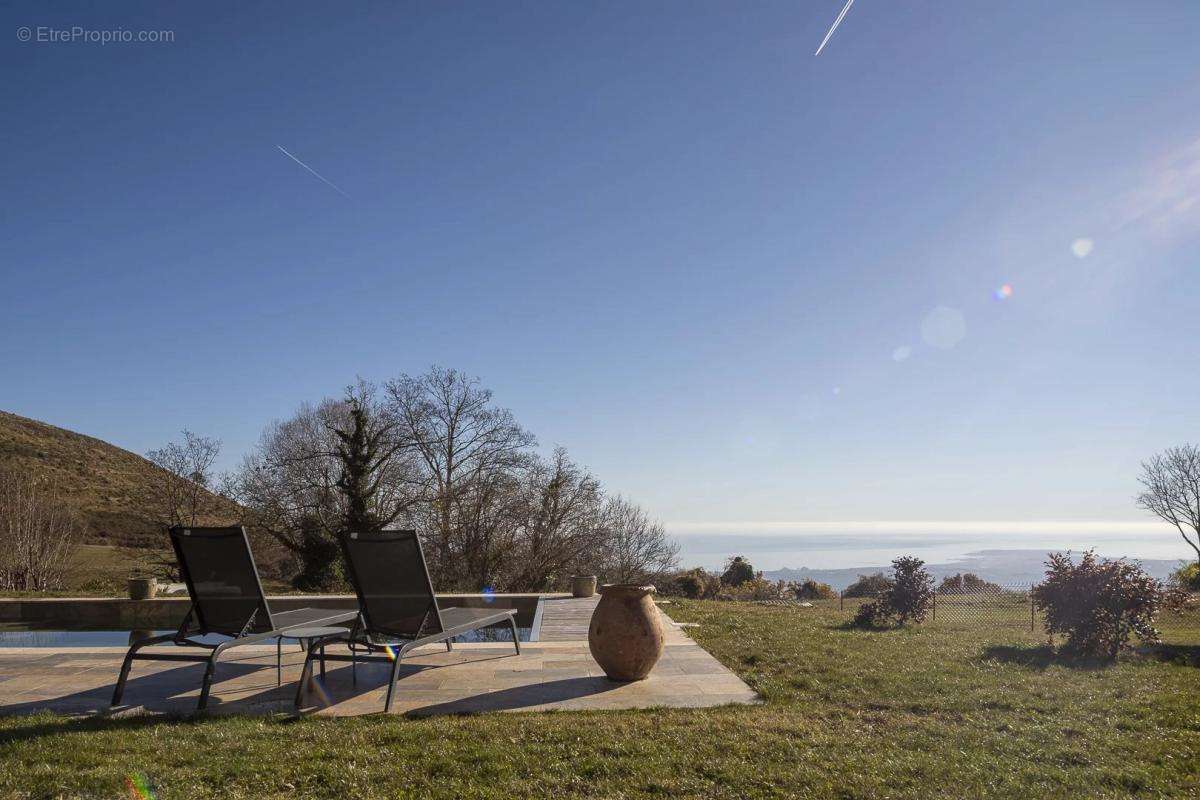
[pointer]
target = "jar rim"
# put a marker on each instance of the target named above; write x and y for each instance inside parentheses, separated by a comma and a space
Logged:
(629, 589)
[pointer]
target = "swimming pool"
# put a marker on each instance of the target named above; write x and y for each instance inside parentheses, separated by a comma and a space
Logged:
(57, 634)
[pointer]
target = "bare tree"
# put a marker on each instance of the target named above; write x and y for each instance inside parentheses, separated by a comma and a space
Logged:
(1171, 490)
(562, 530)
(338, 464)
(434, 452)
(182, 492)
(288, 484)
(636, 548)
(377, 482)
(38, 534)
(487, 516)
(463, 441)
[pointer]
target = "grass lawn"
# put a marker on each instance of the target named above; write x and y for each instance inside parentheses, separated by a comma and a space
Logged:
(941, 711)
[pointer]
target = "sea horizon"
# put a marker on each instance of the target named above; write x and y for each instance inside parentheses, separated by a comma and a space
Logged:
(1011, 555)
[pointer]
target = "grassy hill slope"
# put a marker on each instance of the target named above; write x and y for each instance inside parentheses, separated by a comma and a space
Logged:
(112, 488)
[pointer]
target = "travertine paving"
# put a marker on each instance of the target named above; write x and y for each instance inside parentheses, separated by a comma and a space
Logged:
(556, 672)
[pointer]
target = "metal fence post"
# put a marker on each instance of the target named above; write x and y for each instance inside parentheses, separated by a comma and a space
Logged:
(934, 607)
(1031, 608)
(842, 600)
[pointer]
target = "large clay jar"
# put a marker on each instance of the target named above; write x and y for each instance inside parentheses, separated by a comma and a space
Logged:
(626, 636)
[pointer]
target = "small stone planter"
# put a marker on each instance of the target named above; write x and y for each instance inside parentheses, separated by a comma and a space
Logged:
(626, 635)
(142, 588)
(583, 585)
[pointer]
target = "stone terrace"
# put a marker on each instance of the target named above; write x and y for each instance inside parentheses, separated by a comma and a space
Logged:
(556, 672)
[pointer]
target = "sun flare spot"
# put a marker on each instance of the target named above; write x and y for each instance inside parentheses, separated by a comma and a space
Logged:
(943, 327)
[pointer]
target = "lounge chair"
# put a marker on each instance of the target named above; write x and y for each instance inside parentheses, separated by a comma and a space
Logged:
(227, 599)
(398, 609)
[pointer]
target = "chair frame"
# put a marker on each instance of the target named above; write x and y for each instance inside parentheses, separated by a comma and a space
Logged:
(277, 623)
(359, 637)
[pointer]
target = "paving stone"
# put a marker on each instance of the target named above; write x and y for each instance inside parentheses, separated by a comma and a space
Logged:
(555, 673)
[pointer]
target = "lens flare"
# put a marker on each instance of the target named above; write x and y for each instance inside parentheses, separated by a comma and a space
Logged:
(1004, 292)
(943, 328)
(1082, 247)
(139, 787)
(317, 688)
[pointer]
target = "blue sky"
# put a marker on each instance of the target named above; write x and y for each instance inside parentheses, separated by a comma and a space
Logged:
(666, 235)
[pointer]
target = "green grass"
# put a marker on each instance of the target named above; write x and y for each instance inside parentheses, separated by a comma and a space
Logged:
(938, 711)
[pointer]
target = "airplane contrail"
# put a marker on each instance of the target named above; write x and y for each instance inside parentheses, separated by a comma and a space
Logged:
(836, 22)
(318, 175)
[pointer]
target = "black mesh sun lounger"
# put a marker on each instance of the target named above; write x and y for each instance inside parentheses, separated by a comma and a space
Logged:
(398, 608)
(227, 599)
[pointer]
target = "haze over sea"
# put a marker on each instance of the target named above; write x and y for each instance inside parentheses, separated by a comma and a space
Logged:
(999, 551)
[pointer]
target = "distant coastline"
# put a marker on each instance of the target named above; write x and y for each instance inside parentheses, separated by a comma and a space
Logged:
(1006, 567)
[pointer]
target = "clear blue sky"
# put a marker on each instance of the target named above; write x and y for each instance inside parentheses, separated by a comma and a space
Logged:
(666, 235)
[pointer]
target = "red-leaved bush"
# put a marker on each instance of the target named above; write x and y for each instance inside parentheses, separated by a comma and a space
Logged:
(1098, 604)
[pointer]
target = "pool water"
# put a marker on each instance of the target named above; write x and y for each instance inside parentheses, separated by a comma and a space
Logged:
(63, 635)
(60, 635)
(27, 636)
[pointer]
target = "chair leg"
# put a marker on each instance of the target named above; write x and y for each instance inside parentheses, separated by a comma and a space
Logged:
(279, 661)
(387, 704)
(512, 621)
(353, 665)
(322, 657)
(305, 676)
(127, 664)
(449, 646)
(209, 667)
(125, 667)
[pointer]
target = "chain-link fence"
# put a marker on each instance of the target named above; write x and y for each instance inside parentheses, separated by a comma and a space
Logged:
(990, 604)
(1011, 606)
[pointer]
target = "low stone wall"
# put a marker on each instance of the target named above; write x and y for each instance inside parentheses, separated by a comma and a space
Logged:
(164, 613)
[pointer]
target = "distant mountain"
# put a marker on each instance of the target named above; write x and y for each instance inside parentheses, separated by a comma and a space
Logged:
(109, 486)
(1006, 567)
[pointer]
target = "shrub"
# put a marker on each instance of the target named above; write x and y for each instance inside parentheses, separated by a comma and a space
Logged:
(911, 594)
(694, 583)
(1098, 604)
(38, 534)
(737, 571)
(868, 586)
(870, 615)
(908, 597)
(812, 590)
(757, 588)
(967, 583)
(1187, 577)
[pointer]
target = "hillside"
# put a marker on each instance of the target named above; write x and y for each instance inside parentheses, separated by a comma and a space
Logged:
(112, 488)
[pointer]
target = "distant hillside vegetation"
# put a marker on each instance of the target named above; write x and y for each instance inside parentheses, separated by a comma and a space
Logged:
(113, 489)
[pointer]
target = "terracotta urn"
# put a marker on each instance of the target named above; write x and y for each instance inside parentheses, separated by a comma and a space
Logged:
(626, 635)
(583, 585)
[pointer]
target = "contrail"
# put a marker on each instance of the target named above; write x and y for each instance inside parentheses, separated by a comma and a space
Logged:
(836, 22)
(319, 176)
